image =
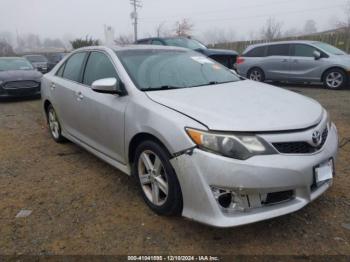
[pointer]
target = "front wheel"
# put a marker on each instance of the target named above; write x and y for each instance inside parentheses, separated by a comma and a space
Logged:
(256, 74)
(157, 179)
(335, 79)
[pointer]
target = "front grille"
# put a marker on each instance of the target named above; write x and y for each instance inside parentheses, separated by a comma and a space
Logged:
(21, 84)
(300, 147)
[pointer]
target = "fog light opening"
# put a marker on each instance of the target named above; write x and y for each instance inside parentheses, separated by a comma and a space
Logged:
(225, 200)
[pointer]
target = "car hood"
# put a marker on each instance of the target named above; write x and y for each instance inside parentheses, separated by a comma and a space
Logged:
(243, 106)
(19, 75)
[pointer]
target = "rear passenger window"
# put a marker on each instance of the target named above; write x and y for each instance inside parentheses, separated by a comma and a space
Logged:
(72, 70)
(256, 52)
(303, 50)
(99, 66)
(278, 50)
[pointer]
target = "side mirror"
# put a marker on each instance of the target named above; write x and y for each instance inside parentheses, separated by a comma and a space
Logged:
(317, 55)
(107, 86)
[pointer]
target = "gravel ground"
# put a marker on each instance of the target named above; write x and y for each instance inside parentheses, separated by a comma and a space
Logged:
(81, 205)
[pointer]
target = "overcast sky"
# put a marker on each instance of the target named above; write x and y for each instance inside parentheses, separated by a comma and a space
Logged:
(55, 18)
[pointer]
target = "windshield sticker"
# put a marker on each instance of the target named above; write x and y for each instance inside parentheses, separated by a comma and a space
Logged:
(202, 60)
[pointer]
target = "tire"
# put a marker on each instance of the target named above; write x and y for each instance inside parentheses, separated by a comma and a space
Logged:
(256, 74)
(160, 187)
(335, 79)
(54, 125)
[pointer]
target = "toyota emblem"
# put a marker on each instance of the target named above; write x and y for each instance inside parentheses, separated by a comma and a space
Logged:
(316, 137)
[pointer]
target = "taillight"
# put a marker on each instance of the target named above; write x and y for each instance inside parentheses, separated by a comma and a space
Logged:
(240, 60)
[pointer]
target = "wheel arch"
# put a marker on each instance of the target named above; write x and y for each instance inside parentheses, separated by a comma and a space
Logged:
(333, 67)
(138, 139)
(256, 67)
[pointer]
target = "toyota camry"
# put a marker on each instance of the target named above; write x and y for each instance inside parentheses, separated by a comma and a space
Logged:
(201, 141)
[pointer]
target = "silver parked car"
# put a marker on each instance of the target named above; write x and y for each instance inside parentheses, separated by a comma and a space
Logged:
(201, 141)
(296, 61)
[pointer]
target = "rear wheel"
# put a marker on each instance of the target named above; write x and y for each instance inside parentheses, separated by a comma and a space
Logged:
(335, 79)
(157, 179)
(256, 74)
(54, 125)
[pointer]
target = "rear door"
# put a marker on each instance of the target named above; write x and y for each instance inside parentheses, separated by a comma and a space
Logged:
(66, 90)
(277, 62)
(304, 66)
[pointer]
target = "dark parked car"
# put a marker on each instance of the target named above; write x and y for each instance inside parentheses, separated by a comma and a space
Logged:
(40, 62)
(224, 57)
(53, 59)
(18, 78)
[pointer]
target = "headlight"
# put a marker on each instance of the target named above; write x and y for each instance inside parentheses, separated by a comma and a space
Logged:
(236, 146)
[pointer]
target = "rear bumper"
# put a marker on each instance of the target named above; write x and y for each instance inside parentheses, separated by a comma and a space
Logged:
(200, 172)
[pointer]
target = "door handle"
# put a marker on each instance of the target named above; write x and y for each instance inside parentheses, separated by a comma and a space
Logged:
(296, 61)
(79, 96)
(285, 60)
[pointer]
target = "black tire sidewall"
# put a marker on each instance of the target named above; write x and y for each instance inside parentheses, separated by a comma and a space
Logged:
(173, 204)
(345, 79)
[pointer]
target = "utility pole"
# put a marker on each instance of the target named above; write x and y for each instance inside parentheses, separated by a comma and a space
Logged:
(136, 4)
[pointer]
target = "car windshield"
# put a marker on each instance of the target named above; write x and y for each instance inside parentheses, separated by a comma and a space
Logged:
(7, 64)
(36, 58)
(185, 42)
(329, 48)
(168, 69)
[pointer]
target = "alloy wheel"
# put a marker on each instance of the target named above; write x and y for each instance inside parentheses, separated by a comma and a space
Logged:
(334, 80)
(153, 177)
(54, 124)
(255, 75)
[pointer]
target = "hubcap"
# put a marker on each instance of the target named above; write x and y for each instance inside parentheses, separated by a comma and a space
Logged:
(255, 76)
(53, 124)
(334, 79)
(153, 178)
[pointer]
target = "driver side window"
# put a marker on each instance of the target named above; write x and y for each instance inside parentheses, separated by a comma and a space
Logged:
(98, 66)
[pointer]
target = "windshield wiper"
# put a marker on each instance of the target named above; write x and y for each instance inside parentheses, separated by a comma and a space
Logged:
(165, 87)
(215, 83)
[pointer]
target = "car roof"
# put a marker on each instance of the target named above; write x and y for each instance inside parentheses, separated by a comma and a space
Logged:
(168, 37)
(250, 47)
(11, 57)
(131, 47)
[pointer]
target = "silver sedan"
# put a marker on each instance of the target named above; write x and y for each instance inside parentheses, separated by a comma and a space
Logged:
(201, 141)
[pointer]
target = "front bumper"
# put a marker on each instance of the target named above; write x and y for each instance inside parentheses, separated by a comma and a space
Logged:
(20, 91)
(201, 170)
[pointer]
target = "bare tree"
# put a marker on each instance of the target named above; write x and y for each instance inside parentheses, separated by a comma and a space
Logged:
(310, 27)
(183, 27)
(292, 32)
(272, 29)
(161, 30)
(6, 49)
(124, 39)
(219, 35)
